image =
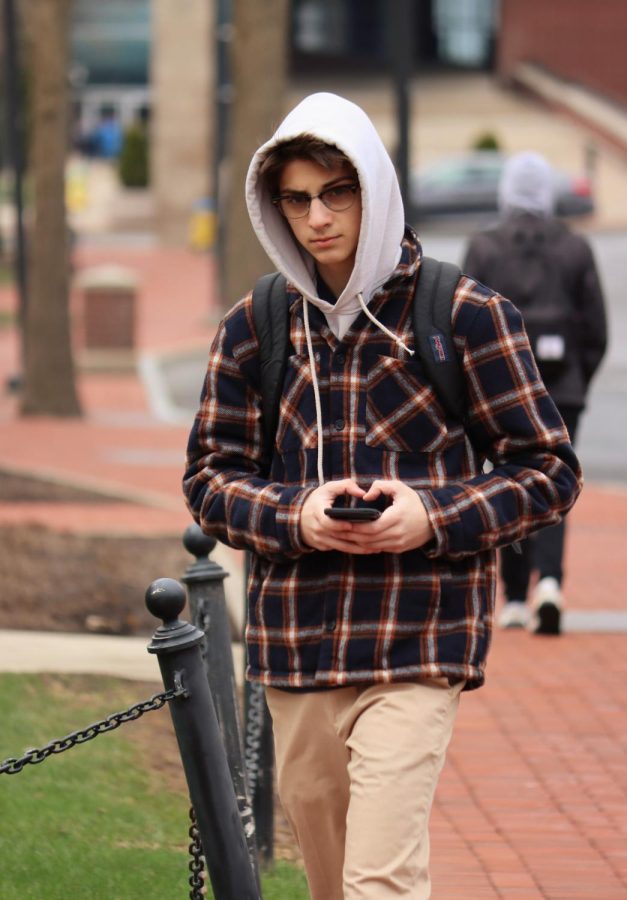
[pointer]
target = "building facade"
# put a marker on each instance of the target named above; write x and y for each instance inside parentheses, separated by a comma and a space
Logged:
(577, 40)
(153, 61)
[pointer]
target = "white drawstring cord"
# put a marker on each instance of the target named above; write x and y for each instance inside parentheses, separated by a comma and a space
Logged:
(314, 379)
(380, 325)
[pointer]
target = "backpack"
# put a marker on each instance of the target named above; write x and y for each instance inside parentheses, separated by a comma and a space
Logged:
(435, 288)
(528, 271)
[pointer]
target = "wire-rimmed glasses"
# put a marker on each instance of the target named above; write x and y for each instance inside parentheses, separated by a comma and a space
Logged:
(337, 198)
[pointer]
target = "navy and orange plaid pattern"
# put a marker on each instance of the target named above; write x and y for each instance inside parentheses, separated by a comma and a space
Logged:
(328, 619)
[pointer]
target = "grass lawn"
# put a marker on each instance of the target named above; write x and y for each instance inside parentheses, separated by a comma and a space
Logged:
(105, 820)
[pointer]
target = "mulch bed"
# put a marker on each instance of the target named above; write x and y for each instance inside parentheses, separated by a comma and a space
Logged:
(58, 581)
(53, 581)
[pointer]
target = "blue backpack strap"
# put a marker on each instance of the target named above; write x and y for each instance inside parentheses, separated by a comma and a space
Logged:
(271, 321)
(433, 333)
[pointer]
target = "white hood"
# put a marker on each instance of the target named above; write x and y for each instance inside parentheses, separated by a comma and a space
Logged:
(527, 185)
(336, 121)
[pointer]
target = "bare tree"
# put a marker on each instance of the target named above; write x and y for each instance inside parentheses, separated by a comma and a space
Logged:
(49, 386)
(259, 64)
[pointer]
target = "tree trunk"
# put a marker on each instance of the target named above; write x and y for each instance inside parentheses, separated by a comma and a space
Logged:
(259, 65)
(48, 379)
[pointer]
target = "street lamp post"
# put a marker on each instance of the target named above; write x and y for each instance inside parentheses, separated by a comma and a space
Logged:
(400, 55)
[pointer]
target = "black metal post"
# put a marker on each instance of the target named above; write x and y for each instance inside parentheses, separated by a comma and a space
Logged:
(177, 645)
(205, 589)
(259, 755)
(400, 14)
(15, 133)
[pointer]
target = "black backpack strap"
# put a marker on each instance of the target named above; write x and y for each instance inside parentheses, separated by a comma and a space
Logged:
(436, 285)
(433, 333)
(271, 321)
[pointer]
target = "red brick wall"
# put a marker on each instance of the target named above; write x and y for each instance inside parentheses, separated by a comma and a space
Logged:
(584, 41)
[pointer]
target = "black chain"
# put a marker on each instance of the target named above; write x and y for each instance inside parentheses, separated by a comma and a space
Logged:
(252, 736)
(13, 766)
(196, 863)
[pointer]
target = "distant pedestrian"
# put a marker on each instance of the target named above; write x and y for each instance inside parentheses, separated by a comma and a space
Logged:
(365, 633)
(549, 273)
(106, 138)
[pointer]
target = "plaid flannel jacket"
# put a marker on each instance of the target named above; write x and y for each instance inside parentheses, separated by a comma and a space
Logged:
(327, 619)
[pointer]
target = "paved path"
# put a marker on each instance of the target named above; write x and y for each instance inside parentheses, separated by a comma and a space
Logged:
(46, 651)
(96, 654)
(533, 800)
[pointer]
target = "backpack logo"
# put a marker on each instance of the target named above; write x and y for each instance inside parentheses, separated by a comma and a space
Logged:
(438, 348)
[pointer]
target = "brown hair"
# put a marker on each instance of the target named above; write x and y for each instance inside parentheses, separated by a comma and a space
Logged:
(305, 146)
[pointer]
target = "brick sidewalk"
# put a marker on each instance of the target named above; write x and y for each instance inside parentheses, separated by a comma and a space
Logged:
(118, 447)
(533, 798)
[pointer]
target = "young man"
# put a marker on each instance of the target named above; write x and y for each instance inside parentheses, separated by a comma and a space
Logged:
(531, 256)
(364, 634)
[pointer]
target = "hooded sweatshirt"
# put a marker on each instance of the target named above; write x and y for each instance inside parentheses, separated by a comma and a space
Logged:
(532, 254)
(347, 127)
(339, 122)
(527, 185)
(356, 404)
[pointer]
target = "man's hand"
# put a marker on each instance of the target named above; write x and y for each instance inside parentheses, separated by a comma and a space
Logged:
(318, 530)
(403, 526)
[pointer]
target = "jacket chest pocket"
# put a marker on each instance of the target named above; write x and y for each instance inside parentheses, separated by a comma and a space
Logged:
(402, 412)
(297, 416)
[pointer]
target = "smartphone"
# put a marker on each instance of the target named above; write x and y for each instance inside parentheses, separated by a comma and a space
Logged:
(352, 513)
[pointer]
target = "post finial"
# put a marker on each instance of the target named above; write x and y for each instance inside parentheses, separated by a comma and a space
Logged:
(196, 542)
(165, 599)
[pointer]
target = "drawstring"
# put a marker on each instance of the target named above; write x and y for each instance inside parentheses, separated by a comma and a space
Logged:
(382, 327)
(314, 377)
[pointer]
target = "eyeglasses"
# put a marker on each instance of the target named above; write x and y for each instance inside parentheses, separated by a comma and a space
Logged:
(338, 198)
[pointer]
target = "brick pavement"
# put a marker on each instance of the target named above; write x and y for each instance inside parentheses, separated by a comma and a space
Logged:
(118, 447)
(533, 798)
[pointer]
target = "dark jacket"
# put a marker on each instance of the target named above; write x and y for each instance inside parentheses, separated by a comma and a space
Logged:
(490, 260)
(325, 619)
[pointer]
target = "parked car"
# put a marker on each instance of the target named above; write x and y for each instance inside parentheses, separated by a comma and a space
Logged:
(469, 183)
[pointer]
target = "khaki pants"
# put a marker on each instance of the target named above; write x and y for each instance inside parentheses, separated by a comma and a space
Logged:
(357, 769)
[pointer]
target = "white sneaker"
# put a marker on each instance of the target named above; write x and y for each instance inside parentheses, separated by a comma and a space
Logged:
(515, 614)
(547, 607)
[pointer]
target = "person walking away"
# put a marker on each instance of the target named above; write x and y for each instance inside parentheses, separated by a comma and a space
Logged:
(549, 273)
(365, 633)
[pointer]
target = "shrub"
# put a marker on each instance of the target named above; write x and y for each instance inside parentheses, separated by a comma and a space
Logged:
(134, 163)
(486, 141)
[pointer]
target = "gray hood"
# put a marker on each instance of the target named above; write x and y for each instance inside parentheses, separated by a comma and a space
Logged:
(527, 184)
(339, 122)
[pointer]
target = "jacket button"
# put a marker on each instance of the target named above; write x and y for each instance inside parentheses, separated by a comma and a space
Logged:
(339, 424)
(340, 359)
(330, 625)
